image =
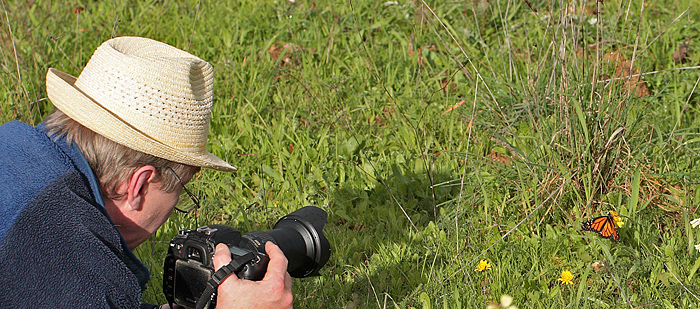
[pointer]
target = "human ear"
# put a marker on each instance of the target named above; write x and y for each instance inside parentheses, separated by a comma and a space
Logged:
(138, 186)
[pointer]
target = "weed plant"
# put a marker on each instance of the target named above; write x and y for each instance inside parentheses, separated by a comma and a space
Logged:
(436, 134)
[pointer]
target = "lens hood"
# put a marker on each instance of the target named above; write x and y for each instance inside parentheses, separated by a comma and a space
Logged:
(300, 237)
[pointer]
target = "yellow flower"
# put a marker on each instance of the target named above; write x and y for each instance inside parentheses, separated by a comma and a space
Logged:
(483, 265)
(616, 217)
(566, 277)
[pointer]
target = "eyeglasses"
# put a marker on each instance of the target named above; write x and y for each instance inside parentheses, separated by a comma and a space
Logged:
(185, 207)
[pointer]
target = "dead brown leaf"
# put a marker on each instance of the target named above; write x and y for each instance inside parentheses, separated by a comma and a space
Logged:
(287, 51)
(641, 90)
(625, 71)
(447, 84)
(632, 79)
(614, 57)
(499, 159)
(680, 55)
(599, 266)
(454, 106)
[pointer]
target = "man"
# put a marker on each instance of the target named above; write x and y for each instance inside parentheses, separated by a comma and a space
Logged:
(102, 173)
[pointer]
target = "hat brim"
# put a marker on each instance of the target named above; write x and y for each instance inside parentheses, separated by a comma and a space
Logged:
(65, 96)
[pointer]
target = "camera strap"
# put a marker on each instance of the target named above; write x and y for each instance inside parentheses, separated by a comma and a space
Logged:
(221, 274)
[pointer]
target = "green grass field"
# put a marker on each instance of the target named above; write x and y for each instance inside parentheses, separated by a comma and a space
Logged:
(435, 134)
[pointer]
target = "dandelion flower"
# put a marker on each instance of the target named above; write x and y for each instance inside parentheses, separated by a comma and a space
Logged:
(566, 277)
(616, 217)
(483, 265)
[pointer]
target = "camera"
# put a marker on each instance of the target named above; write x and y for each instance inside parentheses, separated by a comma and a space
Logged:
(189, 264)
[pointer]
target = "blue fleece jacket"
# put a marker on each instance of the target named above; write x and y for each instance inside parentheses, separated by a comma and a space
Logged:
(58, 246)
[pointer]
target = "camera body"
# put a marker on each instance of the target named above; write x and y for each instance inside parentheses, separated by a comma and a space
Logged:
(189, 264)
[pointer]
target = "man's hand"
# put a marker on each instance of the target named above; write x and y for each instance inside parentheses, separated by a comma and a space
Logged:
(273, 291)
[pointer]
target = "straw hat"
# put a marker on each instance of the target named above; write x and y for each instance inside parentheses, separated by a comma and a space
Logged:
(145, 95)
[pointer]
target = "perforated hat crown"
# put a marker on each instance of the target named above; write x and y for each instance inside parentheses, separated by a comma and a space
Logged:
(146, 95)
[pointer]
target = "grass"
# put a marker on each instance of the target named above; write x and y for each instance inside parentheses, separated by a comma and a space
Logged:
(435, 134)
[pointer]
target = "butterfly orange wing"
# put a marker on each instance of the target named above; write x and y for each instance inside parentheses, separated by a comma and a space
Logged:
(604, 226)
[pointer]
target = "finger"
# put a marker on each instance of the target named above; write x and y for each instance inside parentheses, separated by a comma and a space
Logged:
(222, 256)
(278, 262)
(287, 282)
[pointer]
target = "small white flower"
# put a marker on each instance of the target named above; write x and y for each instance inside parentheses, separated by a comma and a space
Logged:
(695, 222)
(593, 21)
(697, 247)
(507, 301)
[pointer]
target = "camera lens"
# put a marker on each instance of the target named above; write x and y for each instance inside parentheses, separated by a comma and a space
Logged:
(300, 237)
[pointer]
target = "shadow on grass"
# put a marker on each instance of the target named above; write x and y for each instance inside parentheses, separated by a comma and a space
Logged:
(379, 257)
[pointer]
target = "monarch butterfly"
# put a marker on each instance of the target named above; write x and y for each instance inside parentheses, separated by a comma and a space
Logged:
(604, 226)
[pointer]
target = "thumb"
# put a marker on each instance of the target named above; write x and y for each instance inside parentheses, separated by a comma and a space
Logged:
(222, 256)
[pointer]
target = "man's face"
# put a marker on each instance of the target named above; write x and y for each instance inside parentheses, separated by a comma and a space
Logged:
(137, 224)
(158, 206)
